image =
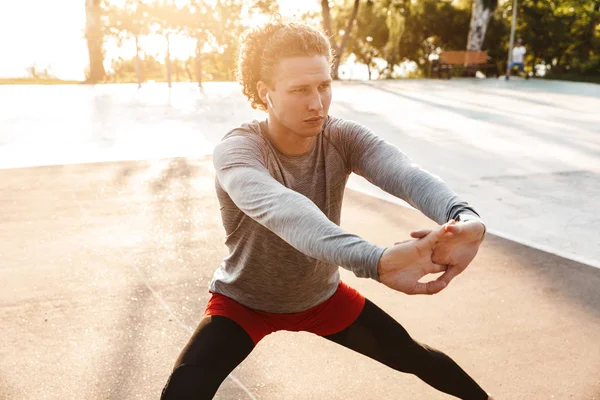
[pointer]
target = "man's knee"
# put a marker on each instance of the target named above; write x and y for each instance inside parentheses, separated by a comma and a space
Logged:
(184, 383)
(411, 358)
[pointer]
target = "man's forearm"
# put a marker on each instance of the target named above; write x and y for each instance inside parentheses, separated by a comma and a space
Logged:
(394, 172)
(298, 221)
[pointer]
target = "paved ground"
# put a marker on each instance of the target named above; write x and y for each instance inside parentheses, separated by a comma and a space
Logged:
(525, 153)
(104, 266)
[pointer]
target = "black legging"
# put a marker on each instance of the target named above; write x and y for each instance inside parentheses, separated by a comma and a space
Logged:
(219, 345)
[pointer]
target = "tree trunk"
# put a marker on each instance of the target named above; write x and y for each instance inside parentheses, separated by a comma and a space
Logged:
(338, 51)
(199, 45)
(93, 35)
(188, 73)
(168, 60)
(138, 66)
(595, 20)
(482, 13)
(327, 22)
(329, 34)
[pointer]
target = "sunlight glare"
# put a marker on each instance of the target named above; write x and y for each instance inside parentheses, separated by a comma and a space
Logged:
(53, 37)
(255, 20)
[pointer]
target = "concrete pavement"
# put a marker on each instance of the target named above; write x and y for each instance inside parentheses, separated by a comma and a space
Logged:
(104, 274)
(104, 261)
(525, 153)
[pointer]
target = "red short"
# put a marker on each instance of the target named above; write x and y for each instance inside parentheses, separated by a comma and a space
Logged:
(331, 316)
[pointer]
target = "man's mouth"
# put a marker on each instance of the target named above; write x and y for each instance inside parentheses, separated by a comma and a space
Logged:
(314, 119)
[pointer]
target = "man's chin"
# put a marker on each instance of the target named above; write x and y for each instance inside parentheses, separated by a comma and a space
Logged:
(312, 130)
(306, 130)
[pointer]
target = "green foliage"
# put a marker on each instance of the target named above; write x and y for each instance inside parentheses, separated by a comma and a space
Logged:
(444, 25)
(217, 23)
(408, 30)
(370, 34)
(562, 34)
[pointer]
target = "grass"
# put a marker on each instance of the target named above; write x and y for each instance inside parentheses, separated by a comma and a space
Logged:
(56, 81)
(574, 77)
(34, 81)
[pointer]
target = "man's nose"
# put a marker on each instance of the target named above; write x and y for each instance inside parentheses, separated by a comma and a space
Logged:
(315, 103)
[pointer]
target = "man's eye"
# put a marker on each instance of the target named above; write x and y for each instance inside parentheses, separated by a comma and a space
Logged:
(301, 90)
(324, 87)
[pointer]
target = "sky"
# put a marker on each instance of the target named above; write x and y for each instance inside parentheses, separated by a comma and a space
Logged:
(52, 37)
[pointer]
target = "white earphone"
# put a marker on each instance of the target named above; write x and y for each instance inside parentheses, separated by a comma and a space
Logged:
(269, 101)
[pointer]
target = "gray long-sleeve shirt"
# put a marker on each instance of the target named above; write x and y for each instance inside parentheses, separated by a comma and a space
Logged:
(281, 213)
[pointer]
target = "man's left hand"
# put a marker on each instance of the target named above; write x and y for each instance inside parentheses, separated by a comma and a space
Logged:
(457, 248)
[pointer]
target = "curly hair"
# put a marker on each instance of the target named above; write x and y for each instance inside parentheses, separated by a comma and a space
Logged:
(262, 48)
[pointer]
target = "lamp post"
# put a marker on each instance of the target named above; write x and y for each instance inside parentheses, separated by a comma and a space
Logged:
(512, 38)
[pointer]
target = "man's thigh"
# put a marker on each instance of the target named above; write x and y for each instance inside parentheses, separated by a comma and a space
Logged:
(217, 346)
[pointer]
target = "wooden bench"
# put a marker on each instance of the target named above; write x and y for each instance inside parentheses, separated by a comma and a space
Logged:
(467, 60)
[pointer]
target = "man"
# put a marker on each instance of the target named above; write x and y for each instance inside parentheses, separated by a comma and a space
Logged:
(518, 59)
(280, 184)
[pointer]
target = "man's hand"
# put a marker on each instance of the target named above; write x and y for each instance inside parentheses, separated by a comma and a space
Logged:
(400, 267)
(457, 248)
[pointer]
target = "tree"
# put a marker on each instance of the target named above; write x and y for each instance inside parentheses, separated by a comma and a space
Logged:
(95, 39)
(338, 50)
(560, 35)
(370, 35)
(406, 30)
(198, 27)
(564, 35)
(482, 12)
(396, 24)
(163, 17)
(131, 20)
(198, 21)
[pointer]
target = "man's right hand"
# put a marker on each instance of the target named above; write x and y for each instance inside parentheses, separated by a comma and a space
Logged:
(400, 267)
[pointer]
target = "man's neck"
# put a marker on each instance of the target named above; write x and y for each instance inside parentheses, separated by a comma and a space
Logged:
(286, 141)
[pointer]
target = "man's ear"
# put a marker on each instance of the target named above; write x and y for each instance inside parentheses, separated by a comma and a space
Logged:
(262, 90)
